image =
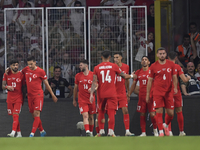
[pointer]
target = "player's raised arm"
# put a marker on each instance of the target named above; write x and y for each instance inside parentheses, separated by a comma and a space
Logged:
(149, 84)
(75, 95)
(55, 99)
(175, 82)
(93, 87)
(185, 78)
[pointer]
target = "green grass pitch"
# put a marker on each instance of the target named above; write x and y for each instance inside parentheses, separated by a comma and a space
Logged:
(101, 143)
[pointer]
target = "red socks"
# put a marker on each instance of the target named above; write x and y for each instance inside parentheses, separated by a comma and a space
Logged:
(100, 117)
(168, 119)
(180, 120)
(159, 120)
(40, 126)
(126, 121)
(111, 122)
(35, 124)
(143, 123)
(86, 127)
(15, 122)
(91, 128)
(153, 120)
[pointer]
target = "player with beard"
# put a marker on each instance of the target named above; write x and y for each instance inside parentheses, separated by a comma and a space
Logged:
(178, 102)
(83, 82)
(142, 76)
(163, 75)
(104, 76)
(13, 82)
(122, 86)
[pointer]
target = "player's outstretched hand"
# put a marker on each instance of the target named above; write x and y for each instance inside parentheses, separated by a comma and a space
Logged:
(10, 88)
(7, 70)
(55, 99)
(91, 98)
(74, 103)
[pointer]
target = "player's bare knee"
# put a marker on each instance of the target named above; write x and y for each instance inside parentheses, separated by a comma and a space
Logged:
(142, 114)
(152, 114)
(103, 120)
(179, 109)
(36, 113)
(125, 110)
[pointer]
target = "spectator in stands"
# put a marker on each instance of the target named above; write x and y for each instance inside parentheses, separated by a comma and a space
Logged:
(150, 19)
(197, 75)
(184, 51)
(193, 29)
(2, 25)
(143, 44)
(27, 44)
(124, 3)
(20, 59)
(107, 2)
(68, 70)
(77, 19)
(43, 3)
(25, 21)
(192, 86)
(22, 3)
(8, 4)
(21, 50)
(58, 84)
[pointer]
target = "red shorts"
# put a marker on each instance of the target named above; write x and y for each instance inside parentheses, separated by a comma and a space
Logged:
(35, 103)
(178, 102)
(166, 101)
(108, 103)
(14, 108)
(142, 106)
(90, 108)
(122, 102)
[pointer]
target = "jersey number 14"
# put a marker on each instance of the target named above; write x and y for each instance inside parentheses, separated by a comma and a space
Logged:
(107, 77)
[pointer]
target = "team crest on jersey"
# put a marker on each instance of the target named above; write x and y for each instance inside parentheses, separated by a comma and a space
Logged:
(34, 76)
(18, 80)
(169, 70)
(89, 81)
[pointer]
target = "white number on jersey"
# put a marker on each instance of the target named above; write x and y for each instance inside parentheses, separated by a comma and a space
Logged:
(13, 84)
(144, 82)
(107, 78)
(119, 78)
(85, 86)
(164, 77)
(30, 79)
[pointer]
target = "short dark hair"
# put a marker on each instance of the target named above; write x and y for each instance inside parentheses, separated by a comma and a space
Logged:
(161, 48)
(151, 5)
(106, 54)
(119, 53)
(57, 67)
(186, 36)
(144, 56)
(30, 58)
(84, 61)
(19, 55)
(172, 55)
(193, 23)
(77, 2)
(13, 61)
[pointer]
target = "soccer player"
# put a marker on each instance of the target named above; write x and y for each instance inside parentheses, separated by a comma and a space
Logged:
(105, 74)
(83, 82)
(164, 76)
(142, 76)
(121, 86)
(14, 82)
(178, 97)
(34, 77)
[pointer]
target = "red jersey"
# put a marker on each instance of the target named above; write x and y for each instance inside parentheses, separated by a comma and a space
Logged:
(179, 71)
(84, 83)
(106, 75)
(142, 76)
(162, 75)
(34, 80)
(15, 80)
(120, 82)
